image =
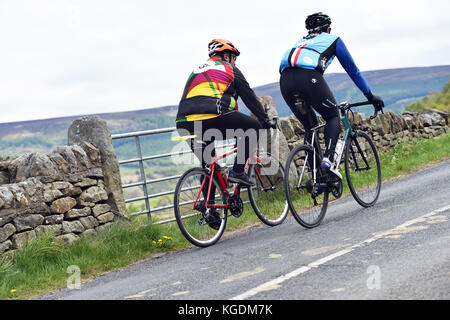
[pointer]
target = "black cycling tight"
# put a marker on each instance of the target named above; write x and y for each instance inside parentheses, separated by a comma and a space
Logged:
(311, 85)
(232, 121)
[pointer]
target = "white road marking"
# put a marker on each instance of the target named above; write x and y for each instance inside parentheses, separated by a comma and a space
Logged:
(242, 275)
(140, 294)
(317, 251)
(277, 281)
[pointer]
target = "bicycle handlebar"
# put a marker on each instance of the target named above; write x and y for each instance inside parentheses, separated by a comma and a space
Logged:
(276, 119)
(348, 106)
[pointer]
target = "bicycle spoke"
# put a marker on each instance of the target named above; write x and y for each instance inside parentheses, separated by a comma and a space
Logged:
(200, 224)
(307, 209)
(267, 196)
(364, 181)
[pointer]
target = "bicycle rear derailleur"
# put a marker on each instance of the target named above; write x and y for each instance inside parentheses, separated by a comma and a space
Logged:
(236, 205)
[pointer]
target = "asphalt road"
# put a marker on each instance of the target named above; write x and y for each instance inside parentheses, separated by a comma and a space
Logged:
(397, 249)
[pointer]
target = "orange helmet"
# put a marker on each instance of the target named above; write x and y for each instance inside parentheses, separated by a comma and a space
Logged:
(220, 45)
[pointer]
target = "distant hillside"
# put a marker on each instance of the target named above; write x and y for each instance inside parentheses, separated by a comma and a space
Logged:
(439, 100)
(125, 121)
(398, 88)
(43, 135)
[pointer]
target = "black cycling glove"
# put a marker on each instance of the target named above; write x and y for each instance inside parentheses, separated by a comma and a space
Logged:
(377, 102)
(267, 123)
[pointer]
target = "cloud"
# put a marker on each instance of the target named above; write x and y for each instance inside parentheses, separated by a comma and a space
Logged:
(72, 57)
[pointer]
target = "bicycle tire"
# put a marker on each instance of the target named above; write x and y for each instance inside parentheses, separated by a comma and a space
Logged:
(194, 224)
(267, 197)
(307, 210)
(360, 147)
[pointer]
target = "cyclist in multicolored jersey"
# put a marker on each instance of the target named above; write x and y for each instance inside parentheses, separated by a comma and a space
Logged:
(302, 68)
(210, 97)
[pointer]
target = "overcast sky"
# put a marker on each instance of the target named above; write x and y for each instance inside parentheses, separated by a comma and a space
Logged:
(68, 57)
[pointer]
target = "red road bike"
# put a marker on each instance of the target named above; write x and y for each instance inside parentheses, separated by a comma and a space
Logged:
(204, 198)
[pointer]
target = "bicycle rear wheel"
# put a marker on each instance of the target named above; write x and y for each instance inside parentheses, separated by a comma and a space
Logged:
(308, 201)
(200, 225)
(362, 169)
(267, 196)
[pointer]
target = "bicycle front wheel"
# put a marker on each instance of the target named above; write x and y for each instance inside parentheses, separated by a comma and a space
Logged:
(307, 199)
(363, 169)
(267, 196)
(201, 225)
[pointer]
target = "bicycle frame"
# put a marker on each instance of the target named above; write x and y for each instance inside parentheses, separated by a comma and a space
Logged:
(314, 146)
(347, 132)
(223, 181)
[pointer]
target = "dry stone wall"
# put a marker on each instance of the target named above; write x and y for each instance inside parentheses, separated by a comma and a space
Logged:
(385, 130)
(62, 193)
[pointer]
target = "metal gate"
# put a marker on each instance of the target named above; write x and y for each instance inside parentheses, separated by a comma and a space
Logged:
(144, 182)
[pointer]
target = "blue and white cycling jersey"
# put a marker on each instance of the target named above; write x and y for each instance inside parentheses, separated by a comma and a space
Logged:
(318, 52)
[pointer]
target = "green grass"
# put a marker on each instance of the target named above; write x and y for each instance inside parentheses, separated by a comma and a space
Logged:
(42, 264)
(406, 158)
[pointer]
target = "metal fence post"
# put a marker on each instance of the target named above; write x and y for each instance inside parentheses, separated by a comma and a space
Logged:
(144, 180)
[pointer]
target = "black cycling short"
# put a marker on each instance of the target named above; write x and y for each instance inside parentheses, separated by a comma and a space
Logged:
(311, 85)
(232, 120)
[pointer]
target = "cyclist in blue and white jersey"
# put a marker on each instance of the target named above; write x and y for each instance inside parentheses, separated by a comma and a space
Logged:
(302, 69)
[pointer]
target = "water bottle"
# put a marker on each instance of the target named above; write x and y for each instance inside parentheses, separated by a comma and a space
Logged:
(338, 152)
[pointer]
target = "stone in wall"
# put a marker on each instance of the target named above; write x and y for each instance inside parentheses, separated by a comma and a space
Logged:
(433, 117)
(4, 174)
(95, 130)
(280, 149)
(287, 128)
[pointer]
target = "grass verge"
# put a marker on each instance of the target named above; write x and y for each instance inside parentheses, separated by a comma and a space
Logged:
(44, 265)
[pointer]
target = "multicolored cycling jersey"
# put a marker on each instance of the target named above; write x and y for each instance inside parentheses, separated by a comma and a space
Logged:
(318, 52)
(206, 93)
(212, 89)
